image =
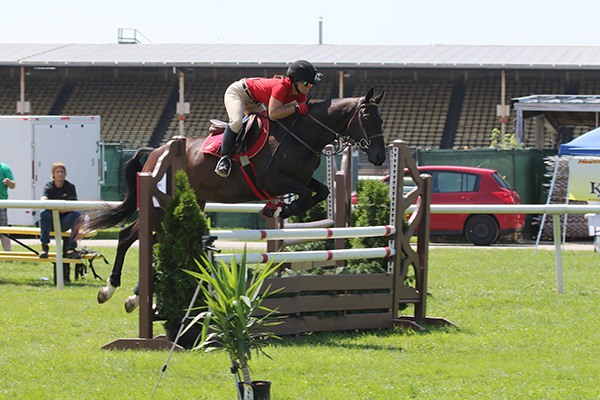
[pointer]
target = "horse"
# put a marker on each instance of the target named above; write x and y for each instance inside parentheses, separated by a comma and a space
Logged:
(285, 165)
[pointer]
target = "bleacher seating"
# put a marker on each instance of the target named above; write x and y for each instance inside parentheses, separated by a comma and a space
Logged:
(478, 117)
(40, 93)
(414, 111)
(129, 107)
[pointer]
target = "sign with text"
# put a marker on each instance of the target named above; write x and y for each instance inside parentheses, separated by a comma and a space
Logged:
(584, 178)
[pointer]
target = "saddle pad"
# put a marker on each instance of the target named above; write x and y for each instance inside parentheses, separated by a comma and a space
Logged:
(213, 142)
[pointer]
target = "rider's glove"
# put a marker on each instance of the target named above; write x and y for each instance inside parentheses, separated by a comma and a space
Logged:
(301, 108)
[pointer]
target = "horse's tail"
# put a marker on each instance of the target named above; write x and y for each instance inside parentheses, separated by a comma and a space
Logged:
(109, 216)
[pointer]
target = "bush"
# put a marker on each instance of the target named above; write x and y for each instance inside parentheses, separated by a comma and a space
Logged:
(316, 213)
(372, 208)
(181, 243)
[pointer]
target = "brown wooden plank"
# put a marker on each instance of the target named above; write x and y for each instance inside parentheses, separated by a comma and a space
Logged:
(306, 283)
(353, 302)
(293, 326)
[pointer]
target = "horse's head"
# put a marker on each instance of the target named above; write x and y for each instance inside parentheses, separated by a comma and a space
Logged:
(366, 127)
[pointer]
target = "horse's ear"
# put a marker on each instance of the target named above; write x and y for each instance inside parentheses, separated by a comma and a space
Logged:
(369, 95)
(377, 99)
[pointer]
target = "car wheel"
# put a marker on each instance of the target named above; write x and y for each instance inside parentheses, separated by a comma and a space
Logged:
(481, 230)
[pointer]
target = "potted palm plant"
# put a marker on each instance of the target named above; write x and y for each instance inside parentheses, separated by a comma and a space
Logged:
(233, 296)
(181, 244)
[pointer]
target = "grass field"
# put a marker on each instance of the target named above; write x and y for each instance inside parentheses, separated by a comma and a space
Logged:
(517, 339)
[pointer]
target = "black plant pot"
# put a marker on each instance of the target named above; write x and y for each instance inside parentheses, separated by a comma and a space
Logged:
(261, 389)
(187, 340)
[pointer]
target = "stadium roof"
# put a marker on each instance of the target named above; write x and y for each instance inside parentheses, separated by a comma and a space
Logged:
(323, 55)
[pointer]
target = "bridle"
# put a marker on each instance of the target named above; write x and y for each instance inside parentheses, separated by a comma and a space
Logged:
(343, 141)
(366, 141)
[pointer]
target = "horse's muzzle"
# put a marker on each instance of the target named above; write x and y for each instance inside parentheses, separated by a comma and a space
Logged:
(376, 159)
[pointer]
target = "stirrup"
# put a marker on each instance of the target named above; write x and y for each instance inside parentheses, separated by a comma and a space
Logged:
(223, 168)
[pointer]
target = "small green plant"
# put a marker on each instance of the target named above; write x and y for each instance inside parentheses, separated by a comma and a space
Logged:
(181, 243)
(233, 297)
(508, 142)
(372, 209)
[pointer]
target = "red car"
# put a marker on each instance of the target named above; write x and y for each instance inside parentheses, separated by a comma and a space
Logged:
(467, 185)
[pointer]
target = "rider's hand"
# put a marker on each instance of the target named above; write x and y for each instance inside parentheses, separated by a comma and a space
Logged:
(301, 108)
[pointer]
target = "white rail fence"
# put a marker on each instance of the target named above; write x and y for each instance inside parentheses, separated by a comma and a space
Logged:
(554, 209)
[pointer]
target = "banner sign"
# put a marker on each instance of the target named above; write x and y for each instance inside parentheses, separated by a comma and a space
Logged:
(584, 178)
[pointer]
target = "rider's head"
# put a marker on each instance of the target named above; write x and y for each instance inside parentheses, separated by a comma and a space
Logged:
(305, 73)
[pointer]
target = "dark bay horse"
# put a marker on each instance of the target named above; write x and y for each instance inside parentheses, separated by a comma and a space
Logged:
(285, 165)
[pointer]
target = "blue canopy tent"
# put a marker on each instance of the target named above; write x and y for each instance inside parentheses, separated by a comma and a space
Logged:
(587, 144)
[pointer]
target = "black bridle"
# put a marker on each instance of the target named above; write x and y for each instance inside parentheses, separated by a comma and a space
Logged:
(343, 141)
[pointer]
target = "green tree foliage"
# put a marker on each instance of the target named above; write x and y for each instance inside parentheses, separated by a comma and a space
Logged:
(372, 208)
(508, 142)
(181, 243)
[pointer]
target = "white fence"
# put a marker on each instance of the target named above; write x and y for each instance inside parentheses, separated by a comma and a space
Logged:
(554, 209)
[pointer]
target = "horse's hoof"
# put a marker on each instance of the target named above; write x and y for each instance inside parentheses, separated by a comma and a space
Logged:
(132, 303)
(106, 293)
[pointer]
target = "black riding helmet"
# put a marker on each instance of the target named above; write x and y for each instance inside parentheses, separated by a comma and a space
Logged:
(303, 71)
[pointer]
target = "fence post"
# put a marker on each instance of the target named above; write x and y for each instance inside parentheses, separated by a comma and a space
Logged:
(146, 282)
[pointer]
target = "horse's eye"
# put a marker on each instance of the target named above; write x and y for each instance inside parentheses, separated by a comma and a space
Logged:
(366, 117)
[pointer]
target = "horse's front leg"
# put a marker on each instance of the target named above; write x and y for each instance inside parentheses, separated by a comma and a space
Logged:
(321, 191)
(306, 200)
(127, 236)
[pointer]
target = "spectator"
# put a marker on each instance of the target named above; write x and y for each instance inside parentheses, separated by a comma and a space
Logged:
(59, 189)
(8, 181)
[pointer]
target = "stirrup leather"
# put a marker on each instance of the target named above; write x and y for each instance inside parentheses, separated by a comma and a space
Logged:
(223, 168)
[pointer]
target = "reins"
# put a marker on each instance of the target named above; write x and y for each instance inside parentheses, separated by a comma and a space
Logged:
(289, 130)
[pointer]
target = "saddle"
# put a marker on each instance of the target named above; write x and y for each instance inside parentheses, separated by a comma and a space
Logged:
(251, 139)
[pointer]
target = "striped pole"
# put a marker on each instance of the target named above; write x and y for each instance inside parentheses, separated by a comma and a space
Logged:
(306, 256)
(310, 233)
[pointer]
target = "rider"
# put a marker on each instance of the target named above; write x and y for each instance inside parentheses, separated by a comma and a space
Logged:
(284, 96)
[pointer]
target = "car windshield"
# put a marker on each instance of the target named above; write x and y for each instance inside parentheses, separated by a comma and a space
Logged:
(501, 182)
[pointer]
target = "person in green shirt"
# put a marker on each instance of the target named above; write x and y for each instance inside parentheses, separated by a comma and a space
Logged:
(8, 181)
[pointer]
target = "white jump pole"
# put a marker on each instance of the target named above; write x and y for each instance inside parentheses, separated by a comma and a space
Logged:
(305, 233)
(310, 256)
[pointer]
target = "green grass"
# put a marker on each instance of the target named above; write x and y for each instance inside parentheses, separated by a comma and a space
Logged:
(517, 339)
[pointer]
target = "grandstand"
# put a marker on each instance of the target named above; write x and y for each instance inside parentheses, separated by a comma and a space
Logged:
(431, 102)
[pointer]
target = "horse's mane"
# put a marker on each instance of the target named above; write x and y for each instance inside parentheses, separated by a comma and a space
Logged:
(335, 103)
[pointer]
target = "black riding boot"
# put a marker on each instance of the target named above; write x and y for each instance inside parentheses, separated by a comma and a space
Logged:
(223, 168)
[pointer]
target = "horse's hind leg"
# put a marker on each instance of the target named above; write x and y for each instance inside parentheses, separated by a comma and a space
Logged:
(133, 301)
(127, 236)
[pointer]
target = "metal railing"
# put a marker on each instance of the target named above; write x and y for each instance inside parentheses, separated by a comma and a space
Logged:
(553, 209)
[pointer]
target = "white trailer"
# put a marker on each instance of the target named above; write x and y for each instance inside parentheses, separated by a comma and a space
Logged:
(29, 145)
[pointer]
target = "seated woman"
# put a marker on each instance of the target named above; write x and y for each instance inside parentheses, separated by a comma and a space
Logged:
(59, 189)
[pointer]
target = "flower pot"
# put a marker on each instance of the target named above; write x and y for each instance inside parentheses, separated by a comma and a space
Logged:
(261, 389)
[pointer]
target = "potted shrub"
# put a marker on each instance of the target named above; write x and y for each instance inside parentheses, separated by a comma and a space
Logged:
(232, 297)
(181, 244)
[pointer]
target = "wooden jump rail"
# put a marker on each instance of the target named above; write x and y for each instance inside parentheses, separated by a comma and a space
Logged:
(395, 291)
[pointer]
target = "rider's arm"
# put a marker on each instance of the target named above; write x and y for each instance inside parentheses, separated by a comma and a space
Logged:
(279, 110)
